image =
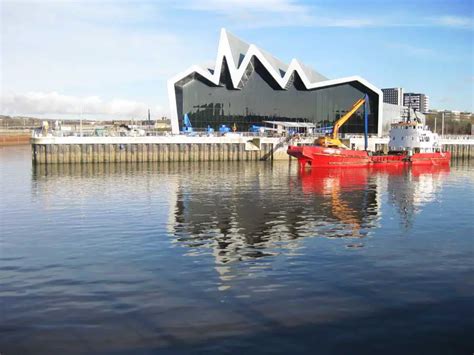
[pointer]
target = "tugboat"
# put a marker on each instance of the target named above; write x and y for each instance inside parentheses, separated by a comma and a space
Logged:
(411, 143)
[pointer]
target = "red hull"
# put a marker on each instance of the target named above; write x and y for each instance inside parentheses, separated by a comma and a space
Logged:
(316, 156)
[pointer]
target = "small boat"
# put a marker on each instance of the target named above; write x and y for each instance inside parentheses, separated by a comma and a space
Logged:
(411, 142)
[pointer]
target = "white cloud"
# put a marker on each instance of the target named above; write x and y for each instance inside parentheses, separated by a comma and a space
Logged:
(286, 6)
(455, 22)
(50, 45)
(129, 49)
(293, 13)
(275, 13)
(413, 50)
(256, 13)
(110, 49)
(53, 103)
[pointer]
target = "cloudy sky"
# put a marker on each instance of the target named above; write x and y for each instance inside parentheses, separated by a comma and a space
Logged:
(112, 58)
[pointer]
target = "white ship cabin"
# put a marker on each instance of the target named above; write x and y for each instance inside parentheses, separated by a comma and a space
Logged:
(413, 137)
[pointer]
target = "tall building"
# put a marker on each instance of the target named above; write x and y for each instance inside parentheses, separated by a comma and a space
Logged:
(417, 101)
(393, 96)
(248, 86)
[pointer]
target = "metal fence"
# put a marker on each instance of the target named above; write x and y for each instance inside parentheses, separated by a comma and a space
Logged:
(41, 132)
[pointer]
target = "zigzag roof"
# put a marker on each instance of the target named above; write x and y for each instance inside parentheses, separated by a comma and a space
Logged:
(239, 54)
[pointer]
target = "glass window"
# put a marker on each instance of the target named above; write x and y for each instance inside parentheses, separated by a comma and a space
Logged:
(261, 99)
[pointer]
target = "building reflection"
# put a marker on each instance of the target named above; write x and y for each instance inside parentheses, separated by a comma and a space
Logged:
(266, 211)
(243, 214)
(263, 211)
(411, 189)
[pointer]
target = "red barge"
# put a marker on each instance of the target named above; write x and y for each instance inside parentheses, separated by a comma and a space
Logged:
(411, 143)
(320, 157)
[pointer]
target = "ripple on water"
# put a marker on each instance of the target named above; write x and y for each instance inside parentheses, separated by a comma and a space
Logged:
(210, 256)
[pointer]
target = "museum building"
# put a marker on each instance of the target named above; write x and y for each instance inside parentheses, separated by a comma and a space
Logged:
(247, 86)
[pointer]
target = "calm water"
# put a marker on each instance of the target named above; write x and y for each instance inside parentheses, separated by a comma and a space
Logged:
(234, 258)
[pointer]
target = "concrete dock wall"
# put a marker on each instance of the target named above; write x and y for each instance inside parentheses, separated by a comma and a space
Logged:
(460, 151)
(148, 152)
(65, 150)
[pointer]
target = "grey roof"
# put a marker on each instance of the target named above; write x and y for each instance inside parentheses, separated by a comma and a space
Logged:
(279, 66)
(238, 48)
(312, 74)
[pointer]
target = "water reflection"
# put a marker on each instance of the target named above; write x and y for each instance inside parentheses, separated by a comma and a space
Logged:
(244, 209)
(238, 222)
(238, 212)
(353, 202)
(409, 190)
(242, 221)
(105, 259)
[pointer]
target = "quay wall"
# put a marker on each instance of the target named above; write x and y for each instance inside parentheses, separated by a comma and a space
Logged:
(146, 152)
(66, 150)
(460, 151)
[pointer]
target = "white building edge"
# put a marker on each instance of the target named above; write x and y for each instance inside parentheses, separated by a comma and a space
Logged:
(238, 55)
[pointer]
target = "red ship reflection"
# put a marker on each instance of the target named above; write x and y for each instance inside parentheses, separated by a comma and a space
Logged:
(341, 186)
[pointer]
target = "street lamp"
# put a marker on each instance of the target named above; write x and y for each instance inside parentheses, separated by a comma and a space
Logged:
(442, 124)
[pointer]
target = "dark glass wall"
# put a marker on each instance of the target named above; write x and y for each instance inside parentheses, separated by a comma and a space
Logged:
(261, 99)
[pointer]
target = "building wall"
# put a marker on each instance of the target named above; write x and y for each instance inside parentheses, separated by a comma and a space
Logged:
(394, 113)
(417, 101)
(261, 99)
(393, 96)
(319, 99)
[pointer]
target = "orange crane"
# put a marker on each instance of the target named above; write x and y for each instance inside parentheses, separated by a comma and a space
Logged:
(332, 140)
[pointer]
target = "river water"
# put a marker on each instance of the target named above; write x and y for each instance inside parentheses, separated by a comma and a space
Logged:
(234, 258)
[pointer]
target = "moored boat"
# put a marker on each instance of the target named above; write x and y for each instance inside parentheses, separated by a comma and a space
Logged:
(411, 142)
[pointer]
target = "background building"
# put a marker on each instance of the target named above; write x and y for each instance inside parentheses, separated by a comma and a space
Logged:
(393, 96)
(417, 101)
(248, 86)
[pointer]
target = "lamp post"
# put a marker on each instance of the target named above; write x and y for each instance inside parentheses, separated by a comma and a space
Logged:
(442, 124)
(80, 123)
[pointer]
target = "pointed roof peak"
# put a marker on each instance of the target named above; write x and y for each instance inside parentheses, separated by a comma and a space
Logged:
(237, 47)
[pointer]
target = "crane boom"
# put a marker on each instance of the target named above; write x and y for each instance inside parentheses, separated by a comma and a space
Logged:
(346, 117)
(333, 140)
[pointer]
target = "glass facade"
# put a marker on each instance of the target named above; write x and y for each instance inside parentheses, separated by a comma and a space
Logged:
(260, 98)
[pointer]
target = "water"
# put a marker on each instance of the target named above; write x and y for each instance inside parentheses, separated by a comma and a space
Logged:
(234, 258)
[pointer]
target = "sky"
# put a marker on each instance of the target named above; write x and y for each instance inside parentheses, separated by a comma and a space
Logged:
(112, 59)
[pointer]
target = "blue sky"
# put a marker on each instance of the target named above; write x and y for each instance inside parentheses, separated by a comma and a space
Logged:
(111, 59)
